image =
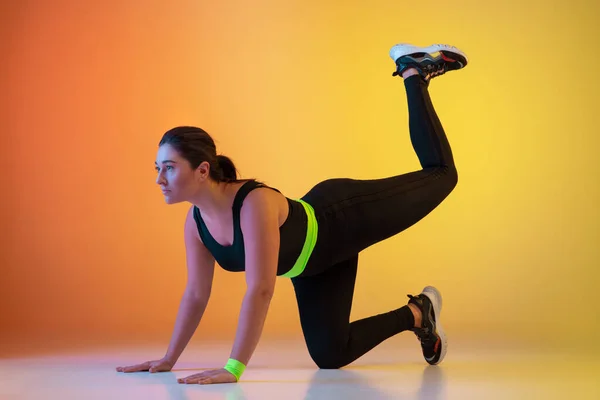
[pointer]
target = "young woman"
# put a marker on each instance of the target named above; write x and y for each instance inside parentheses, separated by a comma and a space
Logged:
(247, 226)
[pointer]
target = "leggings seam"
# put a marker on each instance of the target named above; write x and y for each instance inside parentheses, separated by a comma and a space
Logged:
(392, 189)
(426, 104)
(429, 119)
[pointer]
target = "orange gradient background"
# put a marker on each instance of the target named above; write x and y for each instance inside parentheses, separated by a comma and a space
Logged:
(295, 93)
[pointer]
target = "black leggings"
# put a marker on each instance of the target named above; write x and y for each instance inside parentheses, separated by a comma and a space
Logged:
(355, 214)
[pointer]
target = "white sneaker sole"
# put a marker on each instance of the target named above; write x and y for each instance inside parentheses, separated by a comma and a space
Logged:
(436, 301)
(400, 50)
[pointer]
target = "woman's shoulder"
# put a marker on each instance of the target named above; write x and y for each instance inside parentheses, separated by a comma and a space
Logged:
(250, 184)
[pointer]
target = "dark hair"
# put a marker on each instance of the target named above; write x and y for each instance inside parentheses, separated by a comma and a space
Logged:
(196, 146)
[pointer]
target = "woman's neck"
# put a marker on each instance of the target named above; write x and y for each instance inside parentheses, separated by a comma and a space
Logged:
(216, 201)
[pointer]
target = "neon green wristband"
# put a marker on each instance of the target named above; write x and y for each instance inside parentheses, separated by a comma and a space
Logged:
(235, 367)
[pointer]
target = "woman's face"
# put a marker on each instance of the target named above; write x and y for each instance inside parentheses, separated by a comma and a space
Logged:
(176, 178)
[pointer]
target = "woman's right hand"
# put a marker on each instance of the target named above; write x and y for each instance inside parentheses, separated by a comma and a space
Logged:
(161, 365)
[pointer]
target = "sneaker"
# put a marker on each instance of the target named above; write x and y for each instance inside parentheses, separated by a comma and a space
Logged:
(432, 337)
(431, 61)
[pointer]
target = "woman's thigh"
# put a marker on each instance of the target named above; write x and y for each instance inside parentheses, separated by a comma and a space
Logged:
(354, 214)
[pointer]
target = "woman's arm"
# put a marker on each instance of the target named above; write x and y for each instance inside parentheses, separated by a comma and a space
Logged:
(200, 268)
(260, 226)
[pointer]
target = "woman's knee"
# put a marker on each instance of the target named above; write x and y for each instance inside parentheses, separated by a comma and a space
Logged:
(444, 180)
(328, 362)
(447, 176)
(327, 357)
(451, 176)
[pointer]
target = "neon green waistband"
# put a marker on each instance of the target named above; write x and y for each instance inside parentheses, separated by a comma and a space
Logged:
(309, 242)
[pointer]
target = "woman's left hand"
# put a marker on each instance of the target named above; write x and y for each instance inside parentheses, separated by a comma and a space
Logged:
(209, 377)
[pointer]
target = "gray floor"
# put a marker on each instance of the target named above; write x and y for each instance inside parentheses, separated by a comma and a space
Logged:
(284, 371)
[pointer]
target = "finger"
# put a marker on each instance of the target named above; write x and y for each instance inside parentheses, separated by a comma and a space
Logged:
(136, 368)
(194, 379)
(188, 379)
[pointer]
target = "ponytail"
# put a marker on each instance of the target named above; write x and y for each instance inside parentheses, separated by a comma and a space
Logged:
(227, 168)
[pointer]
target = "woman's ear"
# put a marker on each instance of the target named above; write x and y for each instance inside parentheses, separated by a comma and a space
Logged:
(203, 171)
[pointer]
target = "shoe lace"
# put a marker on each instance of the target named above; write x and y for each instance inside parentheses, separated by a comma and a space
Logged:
(424, 334)
(434, 70)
